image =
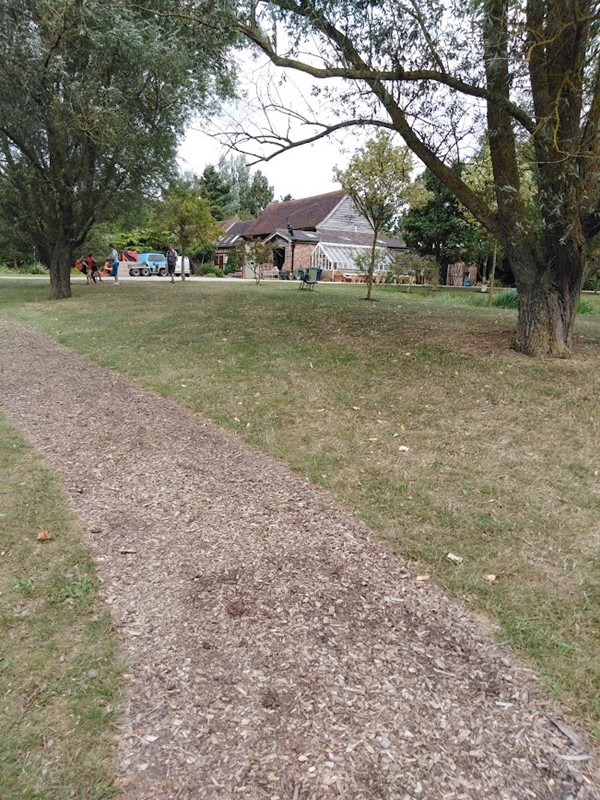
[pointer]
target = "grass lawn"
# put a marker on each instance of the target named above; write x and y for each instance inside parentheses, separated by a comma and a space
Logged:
(412, 411)
(59, 669)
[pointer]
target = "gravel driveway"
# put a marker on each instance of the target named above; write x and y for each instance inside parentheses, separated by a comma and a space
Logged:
(277, 650)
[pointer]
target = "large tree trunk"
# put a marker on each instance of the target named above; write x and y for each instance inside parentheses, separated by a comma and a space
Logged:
(545, 323)
(548, 298)
(61, 261)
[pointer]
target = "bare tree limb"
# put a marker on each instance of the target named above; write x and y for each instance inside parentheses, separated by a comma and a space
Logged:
(361, 72)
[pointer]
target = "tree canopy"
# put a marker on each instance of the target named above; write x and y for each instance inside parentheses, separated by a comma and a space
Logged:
(232, 190)
(439, 227)
(217, 190)
(94, 97)
(444, 73)
(184, 218)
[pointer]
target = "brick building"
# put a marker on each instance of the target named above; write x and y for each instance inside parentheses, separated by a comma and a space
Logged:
(324, 231)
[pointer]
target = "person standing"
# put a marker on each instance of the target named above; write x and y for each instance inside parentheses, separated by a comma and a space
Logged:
(114, 263)
(171, 262)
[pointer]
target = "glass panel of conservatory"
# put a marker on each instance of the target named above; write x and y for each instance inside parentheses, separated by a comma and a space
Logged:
(343, 257)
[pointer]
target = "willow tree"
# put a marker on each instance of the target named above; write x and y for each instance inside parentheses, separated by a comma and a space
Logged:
(440, 74)
(93, 100)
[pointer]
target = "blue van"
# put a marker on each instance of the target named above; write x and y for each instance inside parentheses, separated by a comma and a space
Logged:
(149, 264)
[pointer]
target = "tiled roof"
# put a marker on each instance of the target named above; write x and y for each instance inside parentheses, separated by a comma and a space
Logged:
(360, 239)
(227, 223)
(307, 213)
(235, 228)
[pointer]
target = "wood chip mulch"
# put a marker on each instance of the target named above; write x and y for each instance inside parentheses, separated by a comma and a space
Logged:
(277, 651)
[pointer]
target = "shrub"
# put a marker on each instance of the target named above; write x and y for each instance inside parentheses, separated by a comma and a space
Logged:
(231, 264)
(209, 269)
(33, 268)
(585, 307)
(510, 299)
(506, 299)
(424, 269)
(26, 268)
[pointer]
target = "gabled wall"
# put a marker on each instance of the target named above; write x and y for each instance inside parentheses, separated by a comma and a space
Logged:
(346, 219)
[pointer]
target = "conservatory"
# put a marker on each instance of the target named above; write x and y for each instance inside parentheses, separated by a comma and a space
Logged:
(348, 258)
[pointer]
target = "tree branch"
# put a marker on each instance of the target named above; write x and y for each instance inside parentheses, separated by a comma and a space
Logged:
(590, 160)
(21, 145)
(284, 144)
(377, 86)
(362, 72)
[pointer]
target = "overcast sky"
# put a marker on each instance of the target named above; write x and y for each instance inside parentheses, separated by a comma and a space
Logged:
(303, 171)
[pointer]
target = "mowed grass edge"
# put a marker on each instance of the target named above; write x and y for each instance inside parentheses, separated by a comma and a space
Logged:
(413, 412)
(59, 662)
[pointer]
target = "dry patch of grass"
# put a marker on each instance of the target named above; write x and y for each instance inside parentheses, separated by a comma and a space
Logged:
(415, 414)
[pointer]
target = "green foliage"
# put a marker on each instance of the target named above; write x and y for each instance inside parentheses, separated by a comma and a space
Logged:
(209, 269)
(506, 299)
(369, 262)
(258, 196)
(234, 170)
(87, 99)
(255, 256)
(217, 191)
(16, 249)
(585, 307)
(232, 263)
(25, 268)
(439, 227)
(232, 191)
(376, 179)
(421, 268)
(509, 298)
(183, 218)
(593, 283)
